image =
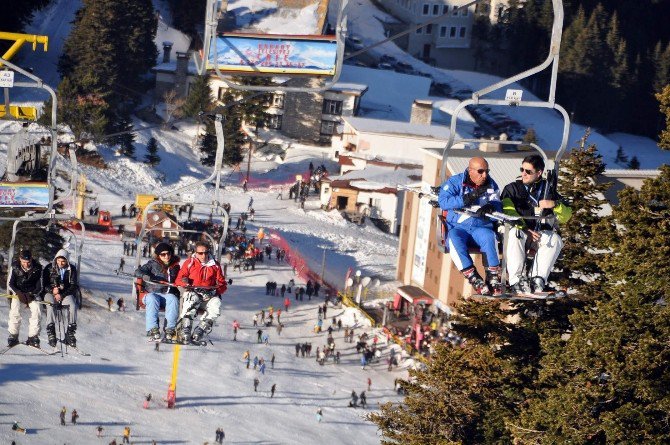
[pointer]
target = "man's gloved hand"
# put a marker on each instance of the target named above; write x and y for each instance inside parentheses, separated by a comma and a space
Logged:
(187, 281)
(24, 297)
(434, 203)
(486, 208)
(473, 196)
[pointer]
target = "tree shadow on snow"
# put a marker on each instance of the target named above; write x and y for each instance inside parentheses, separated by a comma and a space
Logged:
(29, 372)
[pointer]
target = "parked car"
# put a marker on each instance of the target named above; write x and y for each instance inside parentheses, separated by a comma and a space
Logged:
(387, 59)
(504, 124)
(463, 94)
(403, 67)
(354, 42)
(384, 66)
(440, 89)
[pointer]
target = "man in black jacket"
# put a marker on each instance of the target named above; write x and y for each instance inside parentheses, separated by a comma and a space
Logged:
(531, 196)
(26, 283)
(61, 284)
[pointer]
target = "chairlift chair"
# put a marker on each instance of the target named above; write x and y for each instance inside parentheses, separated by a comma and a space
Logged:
(551, 165)
(234, 44)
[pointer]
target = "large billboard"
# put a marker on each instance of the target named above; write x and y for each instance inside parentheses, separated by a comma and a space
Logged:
(248, 53)
(421, 242)
(24, 195)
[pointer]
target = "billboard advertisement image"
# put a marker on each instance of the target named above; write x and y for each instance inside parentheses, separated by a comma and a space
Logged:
(24, 195)
(273, 55)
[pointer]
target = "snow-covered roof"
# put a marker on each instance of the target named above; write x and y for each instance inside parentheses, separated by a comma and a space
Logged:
(165, 33)
(380, 126)
(277, 17)
(380, 176)
(171, 67)
(390, 94)
(349, 87)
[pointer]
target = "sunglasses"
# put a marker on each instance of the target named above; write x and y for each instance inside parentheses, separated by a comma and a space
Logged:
(481, 171)
(528, 172)
(164, 254)
(202, 253)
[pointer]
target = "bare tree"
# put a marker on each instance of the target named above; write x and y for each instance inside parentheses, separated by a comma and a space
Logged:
(173, 105)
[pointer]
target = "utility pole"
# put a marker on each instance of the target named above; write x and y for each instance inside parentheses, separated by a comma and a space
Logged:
(251, 148)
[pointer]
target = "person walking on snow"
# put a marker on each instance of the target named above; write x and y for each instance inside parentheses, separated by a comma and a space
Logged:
(319, 415)
(236, 326)
(126, 435)
(201, 270)
(74, 417)
(63, 411)
(259, 333)
(369, 383)
(162, 268)
(272, 390)
(121, 264)
(256, 382)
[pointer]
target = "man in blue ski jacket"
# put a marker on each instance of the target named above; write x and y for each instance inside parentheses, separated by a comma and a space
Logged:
(475, 191)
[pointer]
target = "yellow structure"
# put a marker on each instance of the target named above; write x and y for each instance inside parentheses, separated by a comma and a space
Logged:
(19, 112)
(143, 200)
(19, 40)
(172, 389)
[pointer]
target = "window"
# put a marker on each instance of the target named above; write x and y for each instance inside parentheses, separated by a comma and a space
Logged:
(436, 9)
(278, 100)
(445, 9)
(419, 31)
(429, 28)
(452, 31)
(426, 9)
(443, 31)
(332, 107)
(328, 127)
(455, 10)
(464, 12)
(461, 33)
(273, 121)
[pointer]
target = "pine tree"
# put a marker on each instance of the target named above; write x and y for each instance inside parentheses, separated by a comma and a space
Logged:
(152, 157)
(529, 138)
(608, 382)
(634, 163)
(577, 265)
(621, 156)
(664, 100)
(661, 60)
(199, 99)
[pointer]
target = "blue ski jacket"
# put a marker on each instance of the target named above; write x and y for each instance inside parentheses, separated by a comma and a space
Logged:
(451, 198)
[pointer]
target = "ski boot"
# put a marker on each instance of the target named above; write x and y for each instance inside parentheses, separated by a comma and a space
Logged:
(205, 327)
(522, 287)
(70, 340)
(33, 341)
(171, 334)
(186, 332)
(12, 340)
(537, 283)
(478, 284)
(51, 334)
(493, 279)
(154, 334)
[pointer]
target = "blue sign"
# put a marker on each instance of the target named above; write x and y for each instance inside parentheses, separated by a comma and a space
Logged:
(24, 195)
(273, 55)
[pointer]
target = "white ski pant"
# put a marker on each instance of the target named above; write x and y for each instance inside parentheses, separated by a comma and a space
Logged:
(547, 250)
(14, 323)
(192, 302)
(69, 306)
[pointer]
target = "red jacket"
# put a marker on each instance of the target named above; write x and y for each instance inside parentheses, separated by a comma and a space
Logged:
(202, 274)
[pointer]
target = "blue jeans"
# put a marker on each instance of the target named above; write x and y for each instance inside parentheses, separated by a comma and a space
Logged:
(153, 302)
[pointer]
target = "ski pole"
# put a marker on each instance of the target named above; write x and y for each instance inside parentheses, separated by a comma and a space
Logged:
(59, 320)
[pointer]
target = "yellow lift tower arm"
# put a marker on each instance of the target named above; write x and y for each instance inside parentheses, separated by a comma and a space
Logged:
(19, 40)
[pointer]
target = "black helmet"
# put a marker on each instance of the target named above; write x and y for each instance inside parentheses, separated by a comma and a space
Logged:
(163, 247)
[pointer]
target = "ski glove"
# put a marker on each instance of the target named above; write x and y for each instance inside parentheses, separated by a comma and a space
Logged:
(473, 196)
(486, 208)
(434, 203)
(24, 297)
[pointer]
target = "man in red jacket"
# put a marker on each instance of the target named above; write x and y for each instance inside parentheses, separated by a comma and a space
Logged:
(203, 279)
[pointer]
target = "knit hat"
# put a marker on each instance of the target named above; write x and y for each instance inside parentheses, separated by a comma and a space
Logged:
(26, 255)
(163, 247)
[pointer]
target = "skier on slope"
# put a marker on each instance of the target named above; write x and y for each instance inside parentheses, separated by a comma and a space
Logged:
(60, 281)
(201, 270)
(163, 267)
(26, 283)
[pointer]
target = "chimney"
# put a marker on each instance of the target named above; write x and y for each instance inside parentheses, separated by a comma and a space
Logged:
(422, 112)
(181, 73)
(167, 48)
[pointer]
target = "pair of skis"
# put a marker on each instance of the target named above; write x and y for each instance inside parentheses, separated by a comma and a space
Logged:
(44, 351)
